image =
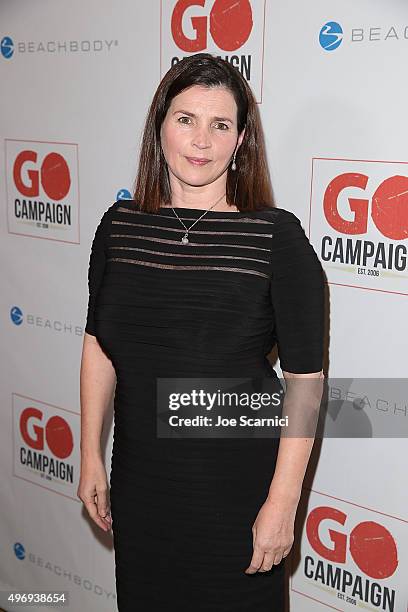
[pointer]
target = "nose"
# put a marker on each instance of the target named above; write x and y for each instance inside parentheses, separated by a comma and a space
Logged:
(201, 137)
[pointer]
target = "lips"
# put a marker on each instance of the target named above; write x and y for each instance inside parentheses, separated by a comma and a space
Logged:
(198, 161)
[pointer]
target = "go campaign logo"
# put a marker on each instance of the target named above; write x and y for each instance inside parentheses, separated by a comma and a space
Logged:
(359, 222)
(45, 445)
(42, 189)
(229, 29)
(351, 556)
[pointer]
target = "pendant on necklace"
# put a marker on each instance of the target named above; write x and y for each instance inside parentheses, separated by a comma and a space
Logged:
(184, 239)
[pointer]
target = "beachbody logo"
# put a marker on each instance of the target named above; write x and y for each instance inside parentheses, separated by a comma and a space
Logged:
(359, 222)
(231, 30)
(123, 194)
(42, 189)
(43, 322)
(55, 47)
(7, 47)
(351, 556)
(331, 35)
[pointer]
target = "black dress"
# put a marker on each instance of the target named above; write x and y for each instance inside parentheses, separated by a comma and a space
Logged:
(183, 509)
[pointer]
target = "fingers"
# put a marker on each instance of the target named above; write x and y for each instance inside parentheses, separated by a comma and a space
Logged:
(265, 565)
(256, 561)
(97, 507)
(269, 561)
(102, 506)
(91, 507)
(263, 560)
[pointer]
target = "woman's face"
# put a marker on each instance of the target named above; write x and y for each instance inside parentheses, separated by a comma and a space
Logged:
(200, 123)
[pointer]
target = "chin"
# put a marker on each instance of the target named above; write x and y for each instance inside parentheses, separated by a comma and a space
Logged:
(197, 183)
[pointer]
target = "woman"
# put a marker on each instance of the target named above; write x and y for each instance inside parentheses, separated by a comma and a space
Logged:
(199, 275)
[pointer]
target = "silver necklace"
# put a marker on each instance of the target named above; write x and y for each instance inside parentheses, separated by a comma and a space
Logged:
(184, 239)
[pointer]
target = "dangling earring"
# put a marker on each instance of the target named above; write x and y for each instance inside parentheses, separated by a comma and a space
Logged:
(234, 165)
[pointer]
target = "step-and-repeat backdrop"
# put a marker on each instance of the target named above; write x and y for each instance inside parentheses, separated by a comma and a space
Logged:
(330, 81)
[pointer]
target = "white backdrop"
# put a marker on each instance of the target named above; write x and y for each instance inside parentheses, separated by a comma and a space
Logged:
(76, 81)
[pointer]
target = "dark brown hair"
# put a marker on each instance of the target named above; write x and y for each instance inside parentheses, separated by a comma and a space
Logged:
(250, 181)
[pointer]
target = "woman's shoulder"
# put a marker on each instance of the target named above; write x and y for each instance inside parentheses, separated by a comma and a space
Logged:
(113, 207)
(109, 212)
(286, 223)
(103, 224)
(277, 214)
(288, 233)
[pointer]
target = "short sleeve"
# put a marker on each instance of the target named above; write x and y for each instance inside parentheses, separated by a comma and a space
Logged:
(297, 296)
(96, 267)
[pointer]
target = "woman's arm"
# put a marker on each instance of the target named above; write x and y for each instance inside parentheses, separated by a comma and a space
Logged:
(294, 452)
(97, 382)
(273, 529)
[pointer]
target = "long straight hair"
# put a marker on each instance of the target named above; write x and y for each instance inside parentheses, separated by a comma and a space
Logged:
(249, 186)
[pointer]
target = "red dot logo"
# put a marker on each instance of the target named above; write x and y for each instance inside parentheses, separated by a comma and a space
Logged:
(390, 208)
(55, 176)
(230, 24)
(373, 549)
(59, 437)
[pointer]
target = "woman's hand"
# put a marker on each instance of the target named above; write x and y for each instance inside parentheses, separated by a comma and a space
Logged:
(272, 534)
(93, 492)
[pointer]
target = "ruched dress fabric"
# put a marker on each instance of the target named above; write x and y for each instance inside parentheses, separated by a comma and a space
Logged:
(182, 508)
